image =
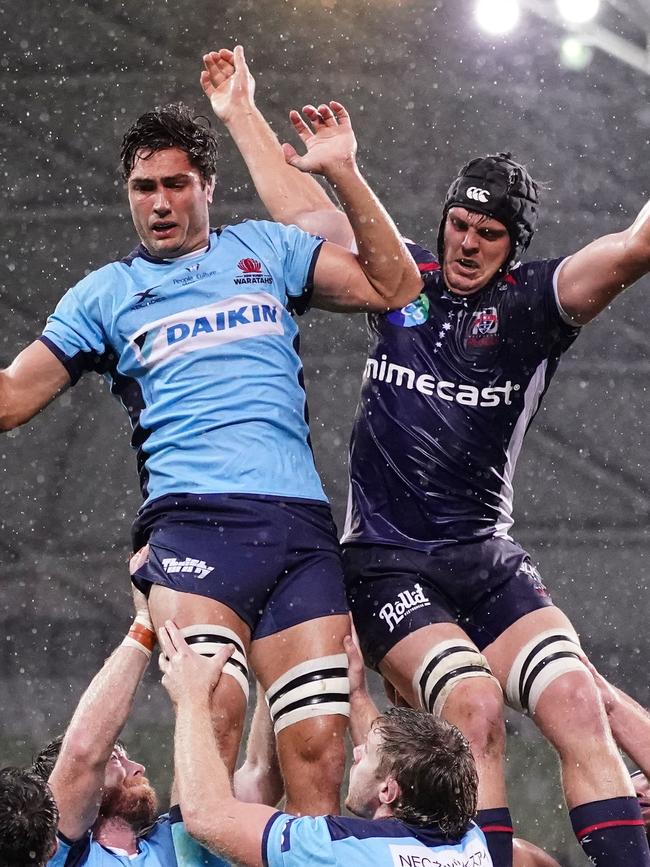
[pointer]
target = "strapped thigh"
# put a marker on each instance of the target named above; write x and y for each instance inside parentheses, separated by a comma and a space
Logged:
(316, 687)
(207, 638)
(443, 667)
(545, 658)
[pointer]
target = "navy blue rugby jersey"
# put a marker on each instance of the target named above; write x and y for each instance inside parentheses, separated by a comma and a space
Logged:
(450, 387)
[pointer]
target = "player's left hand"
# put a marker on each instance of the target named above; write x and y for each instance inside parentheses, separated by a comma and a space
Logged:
(227, 82)
(356, 667)
(330, 140)
(188, 676)
(140, 602)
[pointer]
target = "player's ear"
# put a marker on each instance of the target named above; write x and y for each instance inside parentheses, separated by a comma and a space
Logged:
(390, 791)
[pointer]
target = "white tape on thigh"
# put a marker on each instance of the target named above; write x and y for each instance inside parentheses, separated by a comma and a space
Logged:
(207, 638)
(545, 658)
(443, 667)
(317, 687)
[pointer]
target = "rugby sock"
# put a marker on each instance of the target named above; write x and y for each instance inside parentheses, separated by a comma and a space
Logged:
(497, 826)
(612, 833)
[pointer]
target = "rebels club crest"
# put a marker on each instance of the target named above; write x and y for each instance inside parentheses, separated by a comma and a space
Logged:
(484, 329)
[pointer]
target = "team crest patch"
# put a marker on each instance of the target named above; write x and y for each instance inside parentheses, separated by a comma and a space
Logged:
(251, 271)
(484, 330)
(415, 313)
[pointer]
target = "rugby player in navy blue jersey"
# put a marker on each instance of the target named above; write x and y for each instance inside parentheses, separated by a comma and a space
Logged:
(448, 607)
(194, 333)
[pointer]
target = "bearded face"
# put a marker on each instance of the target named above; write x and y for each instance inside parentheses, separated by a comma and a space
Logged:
(133, 800)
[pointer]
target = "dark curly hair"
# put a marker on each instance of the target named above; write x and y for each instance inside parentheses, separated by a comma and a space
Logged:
(28, 819)
(433, 765)
(171, 126)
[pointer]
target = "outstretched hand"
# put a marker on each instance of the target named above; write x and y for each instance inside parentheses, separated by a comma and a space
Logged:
(227, 82)
(140, 602)
(356, 666)
(330, 140)
(186, 674)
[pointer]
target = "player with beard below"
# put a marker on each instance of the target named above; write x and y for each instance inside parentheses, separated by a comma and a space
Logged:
(449, 608)
(108, 810)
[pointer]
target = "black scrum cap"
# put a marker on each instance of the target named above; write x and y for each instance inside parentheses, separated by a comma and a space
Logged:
(501, 188)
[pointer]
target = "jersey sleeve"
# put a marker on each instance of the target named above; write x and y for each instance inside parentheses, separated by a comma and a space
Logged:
(291, 841)
(539, 307)
(298, 253)
(69, 853)
(190, 853)
(74, 332)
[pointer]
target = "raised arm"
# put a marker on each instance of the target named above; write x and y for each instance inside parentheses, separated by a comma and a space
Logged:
(211, 813)
(595, 275)
(290, 196)
(77, 780)
(382, 275)
(32, 380)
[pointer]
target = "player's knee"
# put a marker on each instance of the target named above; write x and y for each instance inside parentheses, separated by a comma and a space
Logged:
(571, 715)
(476, 707)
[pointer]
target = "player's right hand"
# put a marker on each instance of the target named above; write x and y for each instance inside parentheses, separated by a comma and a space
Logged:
(188, 676)
(356, 667)
(227, 82)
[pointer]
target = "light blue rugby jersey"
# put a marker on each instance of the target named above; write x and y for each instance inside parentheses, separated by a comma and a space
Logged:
(335, 841)
(167, 845)
(203, 354)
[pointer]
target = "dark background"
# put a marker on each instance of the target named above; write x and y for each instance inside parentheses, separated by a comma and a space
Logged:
(426, 91)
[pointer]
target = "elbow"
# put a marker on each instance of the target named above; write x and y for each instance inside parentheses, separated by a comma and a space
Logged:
(406, 291)
(10, 417)
(200, 823)
(9, 420)
(81, 751)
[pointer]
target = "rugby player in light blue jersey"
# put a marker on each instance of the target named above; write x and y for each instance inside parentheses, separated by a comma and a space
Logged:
(108, 810)
(194, 334)
(413, 786)
(449, 608)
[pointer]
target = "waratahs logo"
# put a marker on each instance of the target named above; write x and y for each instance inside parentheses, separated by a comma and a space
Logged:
(251, 272)
(415, 313)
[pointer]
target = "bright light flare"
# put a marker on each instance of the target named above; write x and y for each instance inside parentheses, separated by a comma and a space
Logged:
(575, 54)
(578, 11)
(497, 16)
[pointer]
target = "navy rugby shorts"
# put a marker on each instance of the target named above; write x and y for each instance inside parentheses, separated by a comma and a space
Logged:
(483, 586)
(275, 563)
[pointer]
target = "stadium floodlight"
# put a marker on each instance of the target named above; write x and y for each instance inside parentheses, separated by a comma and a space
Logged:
(578, 11)
(497, 16)
(575, 54)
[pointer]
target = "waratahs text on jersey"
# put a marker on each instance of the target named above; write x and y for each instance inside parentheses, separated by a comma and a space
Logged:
(387, 371)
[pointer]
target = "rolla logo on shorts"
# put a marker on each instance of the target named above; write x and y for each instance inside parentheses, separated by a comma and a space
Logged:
(407, 601)
(239, 317)
(477, 194)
